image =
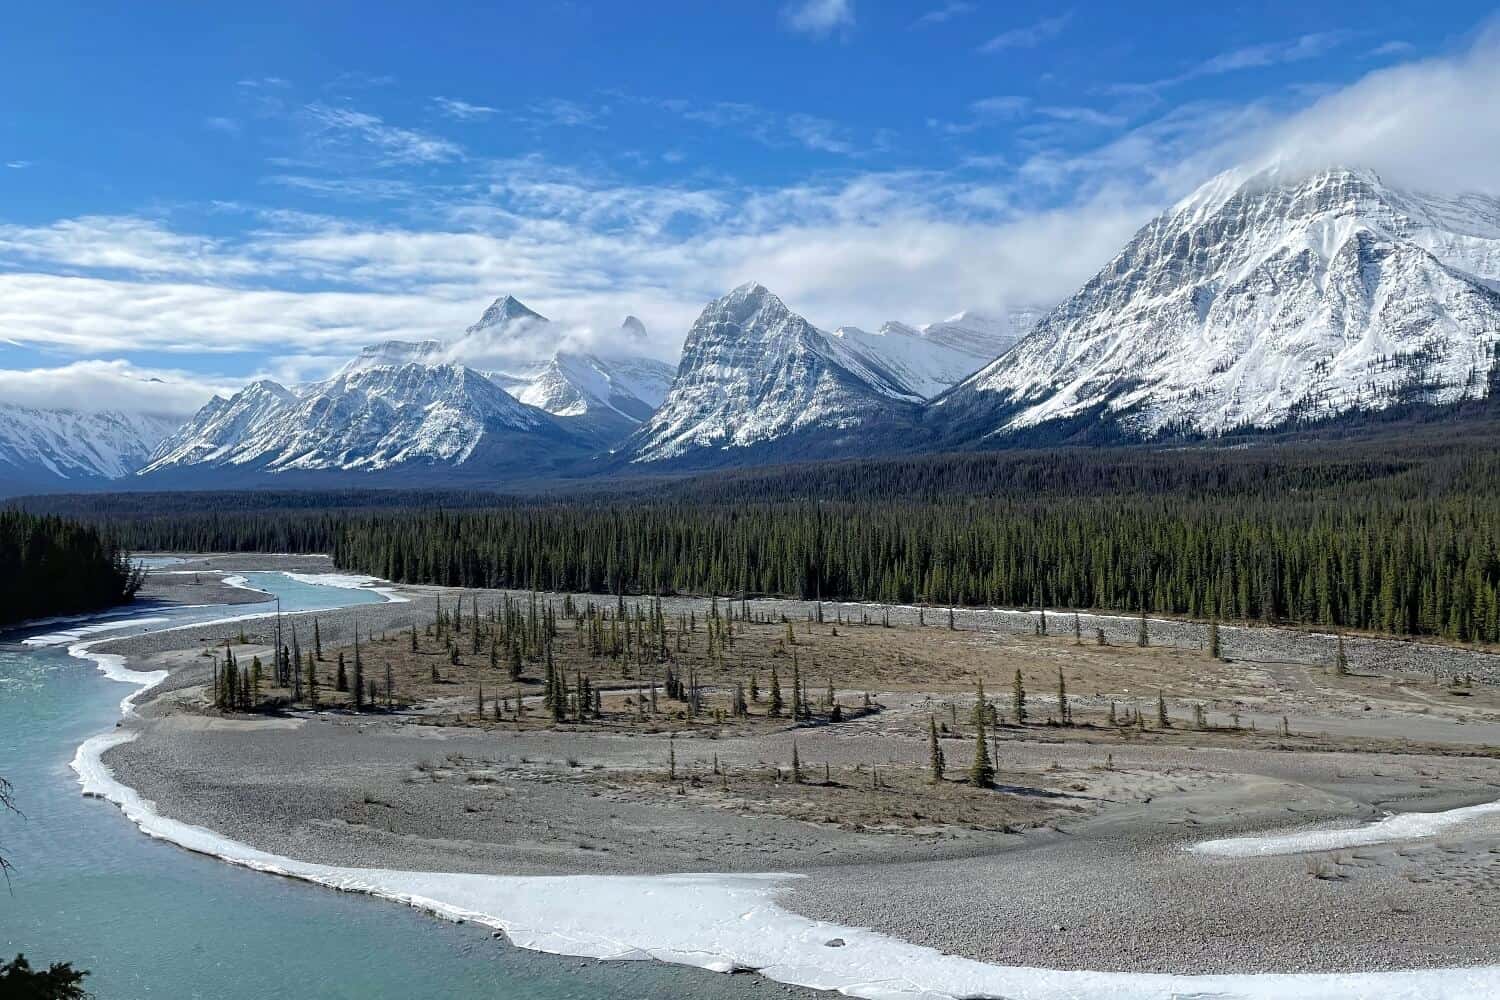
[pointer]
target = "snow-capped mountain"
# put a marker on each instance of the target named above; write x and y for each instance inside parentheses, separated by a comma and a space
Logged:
(1259, 300)
(919, 363)
(404, 405)
(754, 375)
(603, 396)
(374, 419)
(506, 314)
(45, 449)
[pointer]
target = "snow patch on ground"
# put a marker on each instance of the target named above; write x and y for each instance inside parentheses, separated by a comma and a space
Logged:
(1405, 826)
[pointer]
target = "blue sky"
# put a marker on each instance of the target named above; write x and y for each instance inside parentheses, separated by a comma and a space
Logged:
(212, 196)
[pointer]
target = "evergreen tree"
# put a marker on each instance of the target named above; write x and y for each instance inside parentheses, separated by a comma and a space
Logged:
(1162, 720)
(1018, 698)
(982, 771)
(1064, 710)
(341, 679)
(1340, 659)
(777, 705)
(1213, 639)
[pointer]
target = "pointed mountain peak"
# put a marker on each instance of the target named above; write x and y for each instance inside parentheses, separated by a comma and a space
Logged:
(503, 311)
(633, 328)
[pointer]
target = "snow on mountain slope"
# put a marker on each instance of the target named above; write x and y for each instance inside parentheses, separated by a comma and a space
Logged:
(507, 314)
(396, 352)
(605, 395)
(981, 335)
(1257, 300)
(755, 373)
(914, 365)
(372, 419)
(46, 448)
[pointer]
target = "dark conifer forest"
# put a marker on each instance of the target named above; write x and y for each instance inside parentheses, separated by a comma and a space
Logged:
(1393, 535)
(52, 566)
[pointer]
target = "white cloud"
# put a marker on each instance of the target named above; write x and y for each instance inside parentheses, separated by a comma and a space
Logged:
(945, 13)
(125, 243)
(1292, 50)
(394, 144)
(96, 386)
(819, 18)
(463, 110)
(18, 164)
(1429, 124)
(1029, 36)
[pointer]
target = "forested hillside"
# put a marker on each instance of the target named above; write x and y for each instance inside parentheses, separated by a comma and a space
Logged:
(1401, 537)
(52, 566)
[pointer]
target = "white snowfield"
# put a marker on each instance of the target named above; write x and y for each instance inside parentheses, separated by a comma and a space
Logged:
(1403, 826)
(726, 923)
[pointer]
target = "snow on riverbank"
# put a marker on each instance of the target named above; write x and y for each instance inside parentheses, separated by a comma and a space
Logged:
(1405, 826)
(350, 581)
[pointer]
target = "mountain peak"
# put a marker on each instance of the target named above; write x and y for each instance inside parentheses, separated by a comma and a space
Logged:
(1267, 297)
(633, 329)
(503, 311)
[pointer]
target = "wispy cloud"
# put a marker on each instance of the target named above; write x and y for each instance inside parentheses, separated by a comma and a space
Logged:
(943, 14)
(569, 114)
(394, 144)
(1082, 116)
(819, 18)
(220, 123)
(17, 164)
(1029, 36)
(463, 110)
(1391, 48)
(1279, 53)
(767, 127)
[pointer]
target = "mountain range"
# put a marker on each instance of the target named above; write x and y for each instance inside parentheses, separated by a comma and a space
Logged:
(1264, 300)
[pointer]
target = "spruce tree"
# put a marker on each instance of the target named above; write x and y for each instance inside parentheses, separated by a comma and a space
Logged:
(1018, 698)
(1064, 710)
(317, 641)
(1213, 639)
(1161, 712)
(341, 679)
(1143, 637)
(982, 771)
(1340, 659)
(777, 705)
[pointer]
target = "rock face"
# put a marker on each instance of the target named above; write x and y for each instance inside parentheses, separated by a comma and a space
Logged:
(65, 449)
(757, 380)
(1258, 301)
